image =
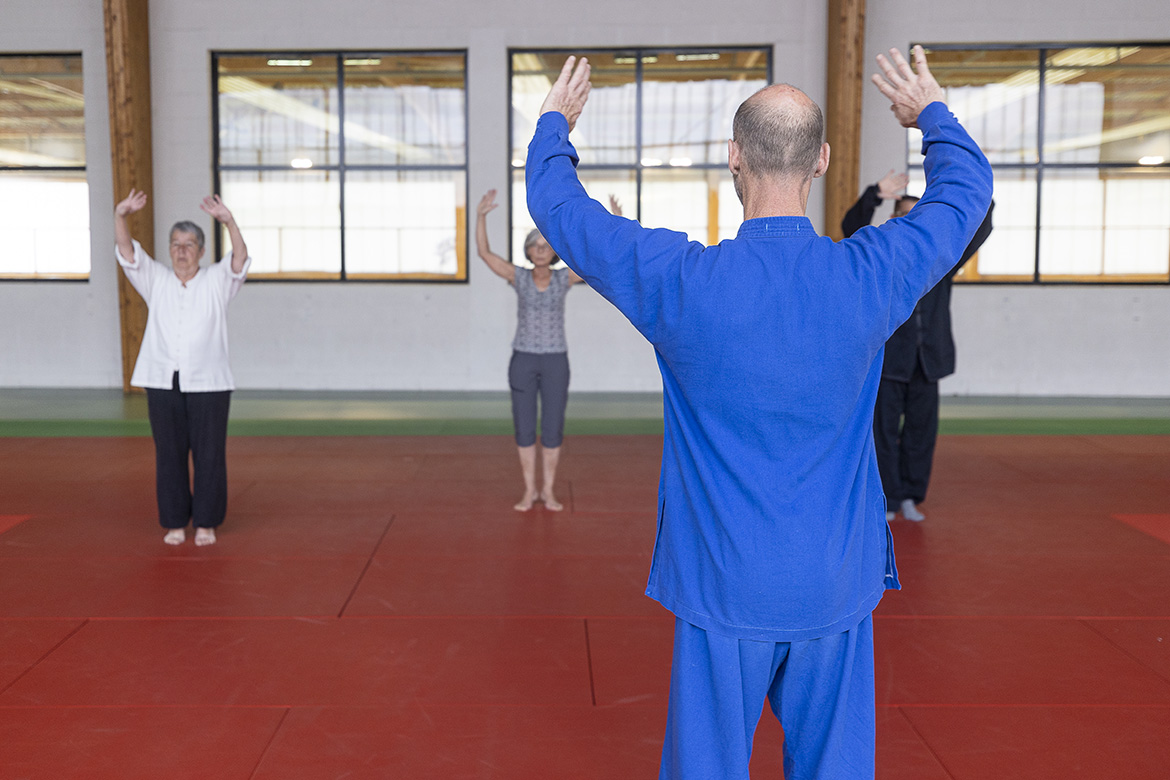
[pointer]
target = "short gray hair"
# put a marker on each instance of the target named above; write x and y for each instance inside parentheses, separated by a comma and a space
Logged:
(779, 139)
(185, 226)
(532, 237)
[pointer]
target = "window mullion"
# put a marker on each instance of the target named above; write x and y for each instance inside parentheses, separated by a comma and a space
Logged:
(638, 152)
(1041, 96)
(341, 154)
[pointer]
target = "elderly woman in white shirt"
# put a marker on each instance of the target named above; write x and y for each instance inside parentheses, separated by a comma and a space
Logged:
(183, 364)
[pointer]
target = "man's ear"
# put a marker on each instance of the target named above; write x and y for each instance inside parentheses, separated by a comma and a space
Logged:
(733, 162)
(822, 162)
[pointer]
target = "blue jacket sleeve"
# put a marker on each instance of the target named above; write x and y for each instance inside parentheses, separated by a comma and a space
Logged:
(913, 253)
(631, 266)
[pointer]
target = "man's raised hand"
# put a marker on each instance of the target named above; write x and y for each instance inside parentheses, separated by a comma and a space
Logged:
(571, 90)
(909, 92)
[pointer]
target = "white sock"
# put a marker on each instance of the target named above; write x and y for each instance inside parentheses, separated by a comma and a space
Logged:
(910, 511)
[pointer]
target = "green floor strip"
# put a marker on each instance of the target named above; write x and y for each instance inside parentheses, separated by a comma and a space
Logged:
(455, 427)
(1047, 426)
(51, 428)
(606, 427)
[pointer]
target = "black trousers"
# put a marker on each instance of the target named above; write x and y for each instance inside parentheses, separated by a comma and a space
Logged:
(192, 424)
(905, 429)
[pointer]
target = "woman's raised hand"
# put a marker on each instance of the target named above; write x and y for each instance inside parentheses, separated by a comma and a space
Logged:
(213, 205)
(135, 201)
(486, 203)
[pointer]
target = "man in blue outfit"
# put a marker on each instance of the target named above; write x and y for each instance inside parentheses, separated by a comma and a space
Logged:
(772, 548)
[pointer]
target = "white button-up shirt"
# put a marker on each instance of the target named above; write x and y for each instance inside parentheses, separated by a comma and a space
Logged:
(186, 328)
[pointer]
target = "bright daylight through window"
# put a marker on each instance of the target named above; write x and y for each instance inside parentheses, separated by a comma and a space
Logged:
(42, 161)
(344, 165)
(1079, 138)
(654, 134)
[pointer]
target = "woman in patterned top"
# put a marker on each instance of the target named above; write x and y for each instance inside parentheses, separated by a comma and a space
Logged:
(540, 358)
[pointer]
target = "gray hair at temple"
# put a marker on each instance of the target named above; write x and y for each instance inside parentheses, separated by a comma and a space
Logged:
(186, 226)
(779, 137)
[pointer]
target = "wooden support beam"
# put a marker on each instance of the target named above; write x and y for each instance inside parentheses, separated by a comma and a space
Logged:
(128, 73)
(845, 72)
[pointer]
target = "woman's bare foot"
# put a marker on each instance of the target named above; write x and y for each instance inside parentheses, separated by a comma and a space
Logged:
(175, 536)
(526, 503)
(550, 501)
(204, 536)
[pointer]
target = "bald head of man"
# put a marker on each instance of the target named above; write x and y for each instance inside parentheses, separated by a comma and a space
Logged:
(777, 148)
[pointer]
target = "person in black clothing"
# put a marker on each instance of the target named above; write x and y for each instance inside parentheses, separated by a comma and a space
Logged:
(921, 352)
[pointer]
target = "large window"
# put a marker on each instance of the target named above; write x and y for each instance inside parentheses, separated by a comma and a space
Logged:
(44, 196)
(654, 134)
(345, 165)
(1079, 139)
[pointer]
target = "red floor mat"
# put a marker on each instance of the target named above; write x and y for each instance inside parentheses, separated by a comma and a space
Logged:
(1047, 743)
(8, 522)
(310, 662)
(120, 743)
(1031, 640)
(1157, 526)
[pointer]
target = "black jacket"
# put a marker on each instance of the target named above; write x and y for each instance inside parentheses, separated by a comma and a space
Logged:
(926, 336)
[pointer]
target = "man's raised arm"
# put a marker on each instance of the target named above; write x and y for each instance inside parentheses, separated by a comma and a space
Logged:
(619, 258)
(925, 244)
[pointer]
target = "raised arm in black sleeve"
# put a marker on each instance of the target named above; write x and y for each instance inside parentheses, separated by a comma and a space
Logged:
(980, 236)
(861, 214)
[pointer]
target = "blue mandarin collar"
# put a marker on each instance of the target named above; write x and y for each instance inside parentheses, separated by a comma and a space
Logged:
(775, 227)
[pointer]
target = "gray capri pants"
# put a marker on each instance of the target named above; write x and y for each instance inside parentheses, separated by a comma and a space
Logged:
(530, 374)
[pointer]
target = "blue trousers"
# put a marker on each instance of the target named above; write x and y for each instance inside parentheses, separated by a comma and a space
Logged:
(822, 690)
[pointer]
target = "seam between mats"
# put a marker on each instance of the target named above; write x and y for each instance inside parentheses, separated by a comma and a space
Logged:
(251, 484)
(589, 663)
(1088, 623)
(366, 568)
(45, 655)
(926, 744)
(268, 745)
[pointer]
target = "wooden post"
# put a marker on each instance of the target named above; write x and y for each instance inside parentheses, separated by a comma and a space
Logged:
(128, 74)
(845, 71)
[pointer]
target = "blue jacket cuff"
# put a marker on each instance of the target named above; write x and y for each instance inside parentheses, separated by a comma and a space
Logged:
(930, 118)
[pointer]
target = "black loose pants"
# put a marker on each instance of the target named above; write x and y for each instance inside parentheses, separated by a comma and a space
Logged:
(905, 429)
(195, 425)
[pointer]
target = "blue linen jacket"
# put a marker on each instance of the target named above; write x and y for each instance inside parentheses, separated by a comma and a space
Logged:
(771, 516)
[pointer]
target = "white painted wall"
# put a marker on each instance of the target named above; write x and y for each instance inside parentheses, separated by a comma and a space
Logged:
(1013, 340)
(65, 334)
(1061, 340)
